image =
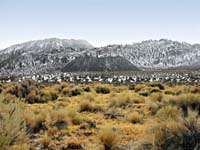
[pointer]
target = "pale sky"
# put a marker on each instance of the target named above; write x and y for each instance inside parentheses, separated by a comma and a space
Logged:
(100, 22)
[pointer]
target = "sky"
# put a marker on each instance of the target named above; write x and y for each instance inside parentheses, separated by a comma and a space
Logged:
(100, 22)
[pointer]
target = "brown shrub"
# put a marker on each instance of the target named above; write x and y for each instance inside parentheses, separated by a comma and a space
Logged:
(109, 138)
(135, 117)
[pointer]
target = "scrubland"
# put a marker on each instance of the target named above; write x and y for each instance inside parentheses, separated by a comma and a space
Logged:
(64, 116)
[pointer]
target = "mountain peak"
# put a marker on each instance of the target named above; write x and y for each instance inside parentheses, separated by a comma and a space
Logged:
(50, 43)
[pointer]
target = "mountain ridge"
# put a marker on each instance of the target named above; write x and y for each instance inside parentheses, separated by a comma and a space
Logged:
(51, 55)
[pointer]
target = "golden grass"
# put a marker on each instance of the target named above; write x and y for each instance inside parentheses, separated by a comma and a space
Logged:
(89, 113)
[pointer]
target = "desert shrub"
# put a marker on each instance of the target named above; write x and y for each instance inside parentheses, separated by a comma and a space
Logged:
(139, 87)
(12, 127)
(183, 89)
(189, 100)
(89, 106)
(60, 115)
(131, 87)
(34, 97)
(87, 124)
(159, 85)
(74, 144)
(35, 122)
(8, 98)
(85, 106)
(121, 100)
(120, 88)
(144, 93)
(195, 89)
(109, 138)
(57, 88)
(87, 89)
(156, 97)
(102, 89)
(169, 92)
(178, 134)
(169, 112)
(89, 96)
(1, 89)
(74, 116)
(76, 92)
(66, 91)
(13, 89)
(135, 117)
(125, 99)
(64, 85)
(45, 141)
(154, 90)
(153, 107)
(48, 95)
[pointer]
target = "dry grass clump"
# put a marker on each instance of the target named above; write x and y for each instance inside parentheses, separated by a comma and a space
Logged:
(12, 127)
(74, 144)
(61, 118)
(21, 90)
(139, 87)
(48, 94)
(60, 115)
(125, 99)
(66, 91)
(157, 97)
(189, 100)
(170, 92)
(169, 112)
(135, 117)
(9, 98)
(109, 138)
(34, 97)
(86, 105)
(45, 141)
(182, 134)
(74, 117)
(89, 96)
(76, 91)
(152, 107)
(102, 89)
(157, 84)
(35, 122)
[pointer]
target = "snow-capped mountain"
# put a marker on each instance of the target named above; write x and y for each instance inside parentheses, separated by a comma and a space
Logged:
(50, 55)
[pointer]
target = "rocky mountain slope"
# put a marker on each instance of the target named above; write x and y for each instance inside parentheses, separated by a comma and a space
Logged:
(154, 54)
(51, 55)
(42, 56)
(88, 63)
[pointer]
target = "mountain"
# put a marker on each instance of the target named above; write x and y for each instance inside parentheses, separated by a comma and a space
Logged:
(153, 54)
(88, 63)
(54, 55)
(42, 56)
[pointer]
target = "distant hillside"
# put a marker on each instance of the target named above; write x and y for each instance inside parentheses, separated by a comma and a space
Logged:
(52, 55)
(88, 63)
